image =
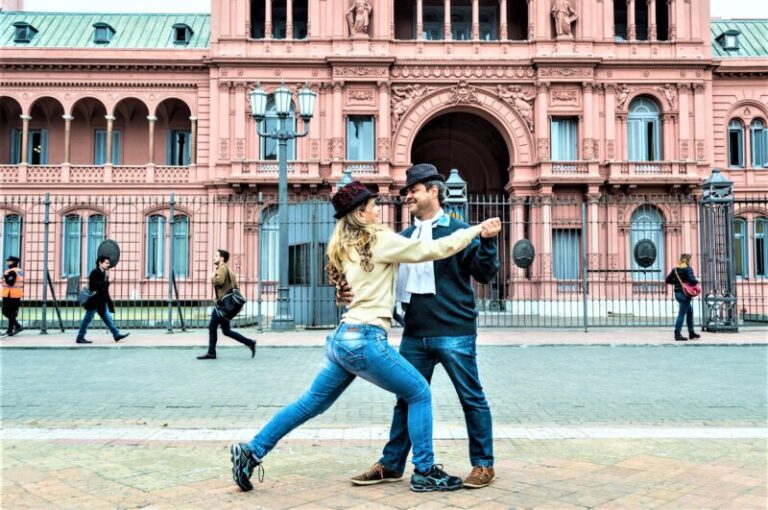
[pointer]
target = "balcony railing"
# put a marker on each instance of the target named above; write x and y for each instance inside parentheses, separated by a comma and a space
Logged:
(360, 167)
(272, 167)
(653, 170)
(95, 174)
(555, 170)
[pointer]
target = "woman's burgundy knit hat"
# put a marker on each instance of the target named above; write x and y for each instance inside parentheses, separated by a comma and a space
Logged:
(349, 197)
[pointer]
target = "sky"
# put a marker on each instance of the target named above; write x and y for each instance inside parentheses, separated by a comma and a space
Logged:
(719, 8)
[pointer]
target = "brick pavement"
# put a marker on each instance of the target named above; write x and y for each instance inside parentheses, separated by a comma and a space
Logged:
(576, 426)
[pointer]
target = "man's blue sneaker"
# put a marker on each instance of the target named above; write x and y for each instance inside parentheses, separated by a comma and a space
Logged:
(243, 463)
(434, 480)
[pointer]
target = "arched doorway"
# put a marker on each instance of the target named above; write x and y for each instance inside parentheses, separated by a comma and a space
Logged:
(469, 143)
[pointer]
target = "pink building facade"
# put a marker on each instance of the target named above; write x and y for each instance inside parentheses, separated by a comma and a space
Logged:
(606, 102)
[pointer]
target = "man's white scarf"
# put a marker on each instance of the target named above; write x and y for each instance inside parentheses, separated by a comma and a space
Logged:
(418, 278)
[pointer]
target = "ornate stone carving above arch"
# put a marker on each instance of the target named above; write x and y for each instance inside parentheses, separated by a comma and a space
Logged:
(746, 110)
(645, 90)
(487, 105)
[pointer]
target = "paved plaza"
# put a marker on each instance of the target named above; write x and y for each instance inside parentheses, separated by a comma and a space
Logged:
(145, 425)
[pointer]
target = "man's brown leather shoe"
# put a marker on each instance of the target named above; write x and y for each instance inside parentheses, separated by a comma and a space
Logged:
(480, 477)
(376, 474)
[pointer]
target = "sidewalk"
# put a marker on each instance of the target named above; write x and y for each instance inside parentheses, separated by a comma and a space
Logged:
(309, 338)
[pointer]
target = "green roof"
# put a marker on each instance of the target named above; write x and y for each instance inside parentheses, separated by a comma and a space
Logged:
(75, 30)
(753, 37)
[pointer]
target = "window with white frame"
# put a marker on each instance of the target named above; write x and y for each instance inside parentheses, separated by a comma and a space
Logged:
(735, 144)
(155, 246)
(12, 224)
(759, 142)
(100, 147)
(71, 260)
(563, 135)
(565, 253)
(644, 130)
(268, 146)
(740, 250)
(761, 256)
(97, 225)
(180, 246)
(360, 138)
(178, 151)
(37, 146)
(647, 222)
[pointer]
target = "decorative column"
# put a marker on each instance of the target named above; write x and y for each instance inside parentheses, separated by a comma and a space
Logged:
(609, 30)
(593, 202)
(588, 143)
(631, 27)
(546, 232)
(503, 34)
(671, 16)
(223, 120)
(267, 19)
(531, 32)
(622, 152)
(683, 91)
(542, 125)
(240, 121)
(420, 20)
(110, 127)
(610, 122)
(152, 119)
(67, 137)
(651, 19)
(475, 20)
(25, 138)
(337, 142)
(699, 119)
(193, 141)
(382, 142)
(447, 34)
(289, 19)
(668, 152)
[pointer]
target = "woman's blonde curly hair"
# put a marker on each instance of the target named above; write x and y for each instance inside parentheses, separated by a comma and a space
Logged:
(350, 235)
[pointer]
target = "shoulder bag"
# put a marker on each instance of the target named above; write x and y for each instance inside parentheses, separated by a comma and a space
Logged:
(231, 303)
(689, 289)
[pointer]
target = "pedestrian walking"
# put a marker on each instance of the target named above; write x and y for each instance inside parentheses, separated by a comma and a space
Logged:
(364, 254)
(223, 280)
(680, 276)
(13, 291)
(100, 302)
(440, 327)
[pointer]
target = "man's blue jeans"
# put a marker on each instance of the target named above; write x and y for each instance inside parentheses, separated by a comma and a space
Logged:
(458, 355)
(685, 313)
(359, 350)
(105, 315)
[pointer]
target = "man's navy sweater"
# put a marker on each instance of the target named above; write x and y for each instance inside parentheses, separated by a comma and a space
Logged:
(451, 310)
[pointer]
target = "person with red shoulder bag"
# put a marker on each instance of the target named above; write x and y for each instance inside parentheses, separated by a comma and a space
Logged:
(686, 287)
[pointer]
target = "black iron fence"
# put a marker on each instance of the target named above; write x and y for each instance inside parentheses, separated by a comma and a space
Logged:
(600, 260)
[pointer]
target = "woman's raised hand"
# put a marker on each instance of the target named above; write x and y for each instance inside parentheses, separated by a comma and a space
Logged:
(491, 228)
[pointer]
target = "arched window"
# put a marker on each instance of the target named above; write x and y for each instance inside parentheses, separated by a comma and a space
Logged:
(736, 144)
(180, 246)
(71, 260)
(269, 247)
(155, 246)
(761, 255)
(759, 142)
(96, 227)
(647, 223)
(268, 146)
(11, 236)
(740, 247)
(644, 130)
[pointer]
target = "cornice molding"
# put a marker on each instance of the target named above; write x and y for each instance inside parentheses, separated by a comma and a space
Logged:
(70, 66)
(100, 85)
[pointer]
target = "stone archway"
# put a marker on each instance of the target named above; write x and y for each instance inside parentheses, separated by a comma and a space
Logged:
(414, 106)
(469, 143)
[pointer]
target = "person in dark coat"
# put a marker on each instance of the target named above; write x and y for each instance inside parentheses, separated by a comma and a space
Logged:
(683, 273)
(13, 291)
(100, 302)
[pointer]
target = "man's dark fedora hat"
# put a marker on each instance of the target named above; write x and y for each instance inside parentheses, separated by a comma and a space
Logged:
(421, 172)
(348, 198)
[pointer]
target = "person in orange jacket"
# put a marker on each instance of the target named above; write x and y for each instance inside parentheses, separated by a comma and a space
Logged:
(13, 291)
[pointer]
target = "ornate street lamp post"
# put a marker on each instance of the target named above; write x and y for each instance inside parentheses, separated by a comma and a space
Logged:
(282, 96)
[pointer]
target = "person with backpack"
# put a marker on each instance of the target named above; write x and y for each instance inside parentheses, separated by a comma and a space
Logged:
(13, 291)
(224, 281)
(99, 302)
(680, 276)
